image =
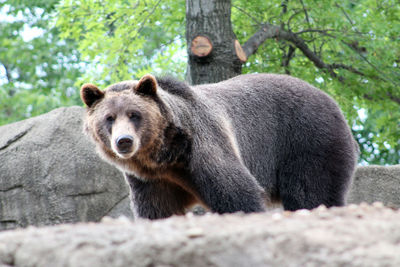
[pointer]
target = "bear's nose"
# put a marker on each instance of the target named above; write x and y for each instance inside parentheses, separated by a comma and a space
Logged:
(124, 143)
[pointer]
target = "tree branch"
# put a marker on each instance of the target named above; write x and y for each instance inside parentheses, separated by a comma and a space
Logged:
(303, 47)
(345, 14)
(284, 5)
(383, 76)
(271, 31)
(308, 21)
(265, 32)
(393, 98)
(296, 12)
(288, 57)
(324, 32)
(7, 71)
(349, 68)
(6, 67)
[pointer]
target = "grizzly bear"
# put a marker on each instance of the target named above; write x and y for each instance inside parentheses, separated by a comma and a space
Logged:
(238, 145)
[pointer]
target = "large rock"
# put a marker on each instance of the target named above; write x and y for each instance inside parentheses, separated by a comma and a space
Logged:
(50, 173)
(350, 236)
(376, 183)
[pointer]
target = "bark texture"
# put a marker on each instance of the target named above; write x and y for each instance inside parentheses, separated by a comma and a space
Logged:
(211, 18)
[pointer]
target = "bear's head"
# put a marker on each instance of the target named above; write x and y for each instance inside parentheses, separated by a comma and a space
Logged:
(125, 119)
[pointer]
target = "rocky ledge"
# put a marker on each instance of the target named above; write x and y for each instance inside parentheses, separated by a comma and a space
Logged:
(356, 235)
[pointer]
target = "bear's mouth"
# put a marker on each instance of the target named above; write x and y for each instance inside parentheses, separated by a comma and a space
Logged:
(125, 154)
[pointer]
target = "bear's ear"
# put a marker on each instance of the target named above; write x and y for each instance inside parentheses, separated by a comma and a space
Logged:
(90, 94)
(147, 85)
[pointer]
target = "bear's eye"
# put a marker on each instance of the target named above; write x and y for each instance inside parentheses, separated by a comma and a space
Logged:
(110, 118)
(134, 115)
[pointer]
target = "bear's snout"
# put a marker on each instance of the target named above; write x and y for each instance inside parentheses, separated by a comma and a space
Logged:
(124, 144)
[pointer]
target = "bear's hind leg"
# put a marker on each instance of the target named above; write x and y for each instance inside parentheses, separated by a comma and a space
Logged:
(306, 184)
(156, 199)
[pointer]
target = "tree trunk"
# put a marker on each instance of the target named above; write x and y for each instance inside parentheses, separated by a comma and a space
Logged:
(212, 56)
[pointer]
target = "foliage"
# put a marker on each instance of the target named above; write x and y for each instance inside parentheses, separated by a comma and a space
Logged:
(37, 73)
(127, 38)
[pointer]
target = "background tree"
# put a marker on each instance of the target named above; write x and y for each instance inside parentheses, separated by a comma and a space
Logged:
(350, 49)
(38, 70)
(210, 42)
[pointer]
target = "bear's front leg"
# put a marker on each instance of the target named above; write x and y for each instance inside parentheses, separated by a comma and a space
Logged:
(156, 199)
(225, 185)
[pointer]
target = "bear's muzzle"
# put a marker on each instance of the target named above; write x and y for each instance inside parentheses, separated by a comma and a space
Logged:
(124, 144)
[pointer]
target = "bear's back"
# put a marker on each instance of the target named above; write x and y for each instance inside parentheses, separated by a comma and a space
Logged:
(264, 88)
(276, 117)
(175, 87)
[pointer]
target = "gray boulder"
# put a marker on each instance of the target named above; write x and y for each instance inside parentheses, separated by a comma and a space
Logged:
(376, 183)
(349, 236)
(50, 173)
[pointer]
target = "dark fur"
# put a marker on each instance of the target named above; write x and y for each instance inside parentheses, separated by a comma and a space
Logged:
(234, 144)
(175, 87)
